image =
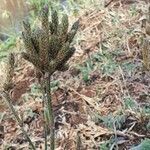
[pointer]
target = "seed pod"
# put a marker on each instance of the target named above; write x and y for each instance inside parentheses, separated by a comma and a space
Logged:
(44, 18)
(11, 60)
(43, 47)
(35, 61)
(72, 32)
(55, 22)
(62, 53)
(35, 39)
(75, 26)
(64, 25)
(51, 27)
(68, 54)
(27, 28)
(54, 46)
(71, 35)
(28, 43)
(63, 68)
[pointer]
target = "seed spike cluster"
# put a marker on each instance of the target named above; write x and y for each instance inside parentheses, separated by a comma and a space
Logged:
(44, 18)
(48, 47)
(55, 22)
(27, 27)
(75, 25)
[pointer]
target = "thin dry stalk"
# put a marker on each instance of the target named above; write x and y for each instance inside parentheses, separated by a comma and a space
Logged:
(20, 123)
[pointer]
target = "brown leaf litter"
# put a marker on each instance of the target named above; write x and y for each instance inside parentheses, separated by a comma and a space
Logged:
(79, 107)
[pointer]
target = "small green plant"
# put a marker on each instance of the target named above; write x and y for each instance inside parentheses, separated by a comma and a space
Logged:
(107, 144)
(6, 45)
(128, 67)
(104, 146)
(106, 63)
(111, 120)
(98, 61)
(144, 145)
(86, 70)
(146, 110)
(130, 103)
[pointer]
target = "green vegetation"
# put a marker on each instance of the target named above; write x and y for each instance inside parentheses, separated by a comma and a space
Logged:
(145, 145)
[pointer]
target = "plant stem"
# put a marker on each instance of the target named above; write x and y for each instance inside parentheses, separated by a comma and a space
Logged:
(78, 142)
(50, 111)
(9, 101)
(44, 114)
(45, 130)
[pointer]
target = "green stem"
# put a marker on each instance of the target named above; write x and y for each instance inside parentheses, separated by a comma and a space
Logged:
(45, 130)
(50, 111)
(9, 101)
(44, 115)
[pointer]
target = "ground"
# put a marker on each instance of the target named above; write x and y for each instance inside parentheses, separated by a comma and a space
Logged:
(102, 100)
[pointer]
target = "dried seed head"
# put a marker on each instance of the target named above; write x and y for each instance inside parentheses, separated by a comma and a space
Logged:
(35, 39)
(43, 47)
(71, 35)
(54, 46)
(55, 22)
(27, 28)
(64, 25)
(75, 26)
(28, 43)
(44, 18)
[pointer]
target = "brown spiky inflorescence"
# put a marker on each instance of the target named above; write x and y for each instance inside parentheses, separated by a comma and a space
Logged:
(48, 48)
(146, 43)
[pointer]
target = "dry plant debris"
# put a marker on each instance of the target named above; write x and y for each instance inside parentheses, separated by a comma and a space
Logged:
(103, 97)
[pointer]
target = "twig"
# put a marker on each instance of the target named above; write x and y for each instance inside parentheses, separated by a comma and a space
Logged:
(89, 100)
(9, 101)
(136, 134)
